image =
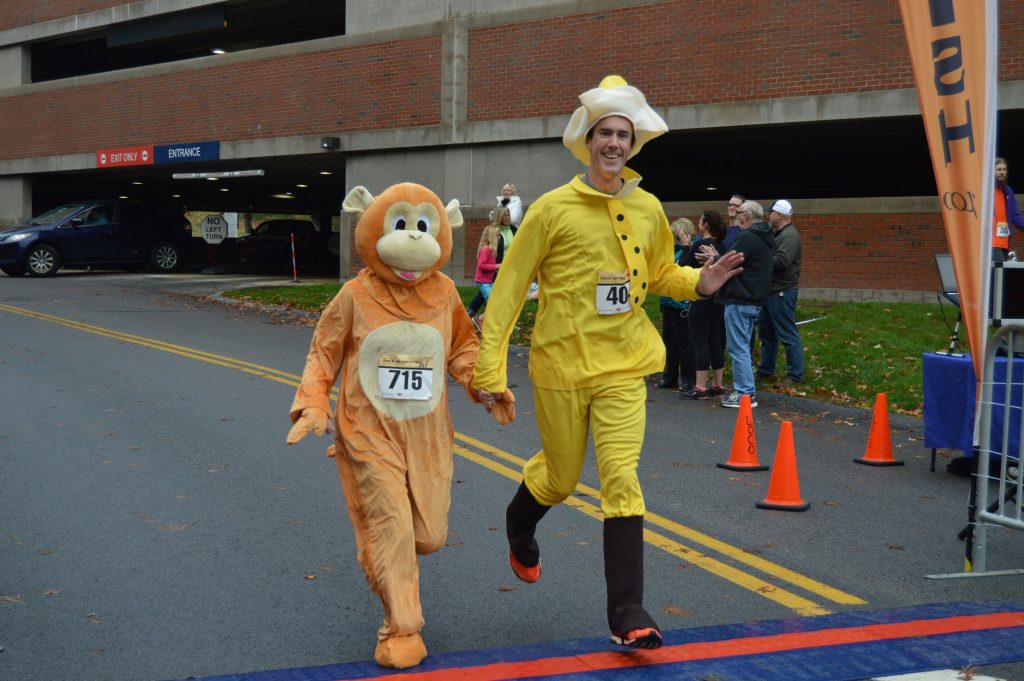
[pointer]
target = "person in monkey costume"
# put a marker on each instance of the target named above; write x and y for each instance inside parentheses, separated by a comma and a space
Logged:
(598, 246)
(392, 333)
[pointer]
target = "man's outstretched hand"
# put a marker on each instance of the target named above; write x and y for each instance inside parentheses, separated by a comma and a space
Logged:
(715, 273)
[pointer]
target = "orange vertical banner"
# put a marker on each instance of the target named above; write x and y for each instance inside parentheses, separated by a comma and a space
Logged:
(953, 50)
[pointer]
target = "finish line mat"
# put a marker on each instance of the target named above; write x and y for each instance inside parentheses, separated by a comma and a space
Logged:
(841, 647)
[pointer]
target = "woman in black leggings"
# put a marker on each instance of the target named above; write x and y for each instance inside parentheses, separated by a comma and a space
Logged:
(705, 317)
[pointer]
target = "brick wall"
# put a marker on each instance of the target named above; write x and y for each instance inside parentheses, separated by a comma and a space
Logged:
(845, 251)
(25, 12)
(685, 52)
(378, 86)
(892, 252)
(472, 231)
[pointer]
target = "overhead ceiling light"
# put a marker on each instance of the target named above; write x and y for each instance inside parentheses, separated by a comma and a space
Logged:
(122, 196)
(175, 196)
(218, 50)
(213, 179)
(281, 196)
(711, 189)
(224, 189)
(302, 185)
(136, 182)
(326, 172)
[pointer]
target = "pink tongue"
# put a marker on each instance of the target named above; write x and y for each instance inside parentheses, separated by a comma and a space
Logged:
(407, 275)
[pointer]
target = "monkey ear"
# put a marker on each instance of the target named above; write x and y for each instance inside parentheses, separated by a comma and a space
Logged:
(357, 201)
(454, 214)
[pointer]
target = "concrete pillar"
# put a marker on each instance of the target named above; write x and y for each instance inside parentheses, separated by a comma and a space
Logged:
(345, 247)
(15, 66)
(454, 95)
(15, 200)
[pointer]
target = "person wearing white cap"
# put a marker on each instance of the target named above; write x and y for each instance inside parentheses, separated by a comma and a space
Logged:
(777, 322)
(598, 246)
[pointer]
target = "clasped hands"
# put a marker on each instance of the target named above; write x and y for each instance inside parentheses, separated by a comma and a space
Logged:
(502, 406)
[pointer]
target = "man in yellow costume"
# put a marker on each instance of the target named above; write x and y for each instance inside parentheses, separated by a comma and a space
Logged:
(598, 246)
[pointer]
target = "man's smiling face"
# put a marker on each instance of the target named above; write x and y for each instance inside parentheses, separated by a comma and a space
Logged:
(610, 143)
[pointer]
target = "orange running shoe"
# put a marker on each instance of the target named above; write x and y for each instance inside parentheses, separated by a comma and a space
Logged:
(647, 637)
(527, 574)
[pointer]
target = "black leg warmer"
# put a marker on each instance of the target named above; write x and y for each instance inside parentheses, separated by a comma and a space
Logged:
(521, 518)
(624, 574)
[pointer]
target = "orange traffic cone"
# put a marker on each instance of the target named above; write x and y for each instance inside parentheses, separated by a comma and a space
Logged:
(784, 487)
(879, 450)
(743, 456)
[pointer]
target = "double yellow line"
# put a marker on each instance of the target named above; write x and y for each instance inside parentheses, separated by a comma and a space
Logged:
(490, 457)
(760, 586)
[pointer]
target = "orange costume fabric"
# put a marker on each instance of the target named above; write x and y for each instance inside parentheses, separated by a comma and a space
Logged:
(392, 334)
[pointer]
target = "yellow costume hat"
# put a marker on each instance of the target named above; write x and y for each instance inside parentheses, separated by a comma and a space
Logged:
(612, 98)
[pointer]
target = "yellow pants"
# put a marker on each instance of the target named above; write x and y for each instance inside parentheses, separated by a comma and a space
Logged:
(616, 415)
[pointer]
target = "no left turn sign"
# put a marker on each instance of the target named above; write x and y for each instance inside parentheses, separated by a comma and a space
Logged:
(214, 229)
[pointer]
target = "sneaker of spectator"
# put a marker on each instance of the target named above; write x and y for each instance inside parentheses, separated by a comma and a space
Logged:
(695, 393)
(732, 400)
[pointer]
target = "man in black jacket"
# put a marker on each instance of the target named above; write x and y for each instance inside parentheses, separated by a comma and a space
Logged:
(744, 295)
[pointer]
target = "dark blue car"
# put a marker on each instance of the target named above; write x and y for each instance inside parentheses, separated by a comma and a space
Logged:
(127, 234)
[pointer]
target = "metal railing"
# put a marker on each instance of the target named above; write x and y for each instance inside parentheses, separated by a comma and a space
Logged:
(998, 470)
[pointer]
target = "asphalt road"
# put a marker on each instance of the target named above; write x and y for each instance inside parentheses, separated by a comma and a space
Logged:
(154, 525)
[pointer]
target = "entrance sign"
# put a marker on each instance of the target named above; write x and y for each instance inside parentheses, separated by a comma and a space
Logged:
(187, 152)
(214, 229)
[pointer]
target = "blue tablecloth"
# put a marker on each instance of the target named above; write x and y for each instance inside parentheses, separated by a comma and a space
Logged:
(949, 388)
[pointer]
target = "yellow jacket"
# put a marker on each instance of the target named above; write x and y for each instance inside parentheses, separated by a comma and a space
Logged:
(568, 238)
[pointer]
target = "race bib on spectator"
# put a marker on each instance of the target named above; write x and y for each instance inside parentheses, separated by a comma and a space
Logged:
(405, 377)
(1002, 229)
(612, 292)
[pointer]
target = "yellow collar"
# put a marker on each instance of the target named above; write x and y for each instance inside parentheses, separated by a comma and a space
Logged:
(631, 180)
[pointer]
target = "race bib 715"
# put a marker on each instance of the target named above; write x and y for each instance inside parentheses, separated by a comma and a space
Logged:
(405, 377)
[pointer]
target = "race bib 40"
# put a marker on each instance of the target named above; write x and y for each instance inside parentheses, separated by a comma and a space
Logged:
(612, 292)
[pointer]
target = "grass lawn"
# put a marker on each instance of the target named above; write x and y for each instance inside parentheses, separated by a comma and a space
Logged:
(852, 351)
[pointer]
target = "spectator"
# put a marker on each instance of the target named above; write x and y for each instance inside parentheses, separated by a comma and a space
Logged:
(509, 199)
(778, 316)
(598, 246)
(733, 228)
(705, 318)
(679, 368)
(1007, 213)
(743, 297)
(732, 231)
(506, 230)
(486, 265)
(500, 220)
